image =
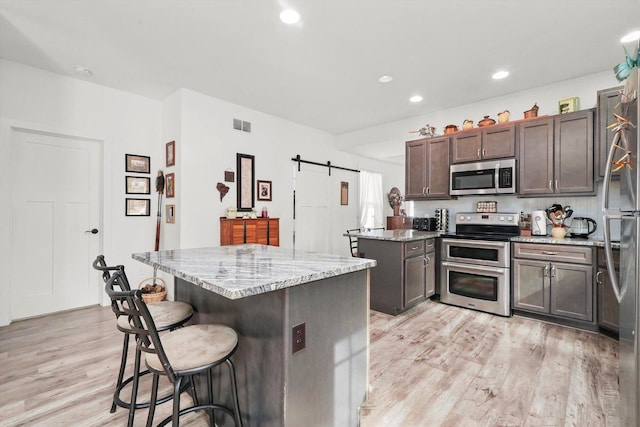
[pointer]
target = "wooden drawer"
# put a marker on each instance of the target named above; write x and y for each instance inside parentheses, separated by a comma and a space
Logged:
(430, 245)
(602, 261)
(414, 248)
(554, 253)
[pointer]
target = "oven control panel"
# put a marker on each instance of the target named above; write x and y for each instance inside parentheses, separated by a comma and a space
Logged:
(488, 218)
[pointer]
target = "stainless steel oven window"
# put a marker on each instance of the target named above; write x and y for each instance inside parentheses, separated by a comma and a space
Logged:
(473, 285)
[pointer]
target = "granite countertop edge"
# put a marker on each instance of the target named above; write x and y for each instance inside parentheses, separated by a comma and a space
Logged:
(566, 241)
(235, 281)
(403, 235)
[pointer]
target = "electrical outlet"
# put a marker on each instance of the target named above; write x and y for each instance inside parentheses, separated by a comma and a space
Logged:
(298, 338)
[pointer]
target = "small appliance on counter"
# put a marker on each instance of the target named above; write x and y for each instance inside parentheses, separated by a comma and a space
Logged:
(425, 224)
(442, 220)
(582, 227)
(539, 223)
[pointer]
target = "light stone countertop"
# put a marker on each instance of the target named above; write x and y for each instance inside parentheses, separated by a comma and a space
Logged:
(240, 271)
(566, 241)
(406, 235)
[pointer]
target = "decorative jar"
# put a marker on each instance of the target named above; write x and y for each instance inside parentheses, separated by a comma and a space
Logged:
(558, 231)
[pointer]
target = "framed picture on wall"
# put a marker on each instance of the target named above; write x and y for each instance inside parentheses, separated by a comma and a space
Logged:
(170, 214)
(138, 185)
(171, 153)
(138, 207)
(264, 190)
(246, 185)
(344, 193)
(170, 185)
(137, 164)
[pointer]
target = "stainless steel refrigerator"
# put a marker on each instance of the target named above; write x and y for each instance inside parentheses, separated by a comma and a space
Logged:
(623, 154)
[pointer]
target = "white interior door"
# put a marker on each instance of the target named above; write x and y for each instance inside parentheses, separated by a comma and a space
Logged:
(56, 200)
(321, 218)
(312, 221)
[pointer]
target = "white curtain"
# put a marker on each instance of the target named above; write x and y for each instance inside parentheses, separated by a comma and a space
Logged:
(370, 199)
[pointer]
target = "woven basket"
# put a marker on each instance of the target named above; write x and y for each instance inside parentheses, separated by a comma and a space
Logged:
(155, 297)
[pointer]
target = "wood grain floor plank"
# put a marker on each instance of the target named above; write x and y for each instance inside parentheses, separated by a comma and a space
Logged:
(435, 365)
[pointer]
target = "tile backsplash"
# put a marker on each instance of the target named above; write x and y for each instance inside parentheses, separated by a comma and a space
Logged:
(590, 206)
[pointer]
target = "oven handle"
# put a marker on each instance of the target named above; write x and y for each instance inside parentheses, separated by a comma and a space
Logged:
(468, 268)
(475, 243)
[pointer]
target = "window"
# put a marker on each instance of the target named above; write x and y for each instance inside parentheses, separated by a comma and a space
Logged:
(370, 199)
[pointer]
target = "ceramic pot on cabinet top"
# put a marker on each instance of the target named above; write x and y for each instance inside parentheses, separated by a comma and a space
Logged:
(504, 116)
(467, 124)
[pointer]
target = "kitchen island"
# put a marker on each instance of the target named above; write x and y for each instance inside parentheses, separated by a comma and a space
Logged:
(406, 271)
(266, 293)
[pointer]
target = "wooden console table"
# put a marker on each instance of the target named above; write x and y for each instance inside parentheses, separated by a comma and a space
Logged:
(238, 231)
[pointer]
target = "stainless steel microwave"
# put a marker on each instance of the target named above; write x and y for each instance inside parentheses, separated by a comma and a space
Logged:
(488, 177)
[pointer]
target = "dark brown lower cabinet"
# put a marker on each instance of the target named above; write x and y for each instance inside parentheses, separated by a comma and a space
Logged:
(404, 274)
(554, 281)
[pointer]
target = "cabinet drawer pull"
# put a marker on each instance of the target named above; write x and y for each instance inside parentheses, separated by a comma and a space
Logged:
(415, 248)
(550, 252)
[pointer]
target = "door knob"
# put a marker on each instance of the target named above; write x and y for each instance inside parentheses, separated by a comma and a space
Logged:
(92, 231)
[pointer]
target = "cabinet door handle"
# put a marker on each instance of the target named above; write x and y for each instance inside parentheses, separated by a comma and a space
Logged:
(550, 252)
(426, 261)
(553, 270)
(557, 186)
(551, 185)
(483, 153)
(599, 277)
(424, 191)
(428, 191)
(546, 271)
(479, 156)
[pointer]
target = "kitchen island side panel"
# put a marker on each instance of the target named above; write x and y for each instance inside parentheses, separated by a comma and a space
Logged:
(259, 322)
(327, 381)
(321, 385)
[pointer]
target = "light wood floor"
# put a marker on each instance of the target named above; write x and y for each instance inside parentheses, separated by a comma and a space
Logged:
(435, 365)
(439, 365)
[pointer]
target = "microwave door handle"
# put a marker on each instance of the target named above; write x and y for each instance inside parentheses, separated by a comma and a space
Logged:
(608, 254)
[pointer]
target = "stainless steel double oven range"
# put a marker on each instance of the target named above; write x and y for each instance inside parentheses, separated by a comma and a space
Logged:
(475, 271)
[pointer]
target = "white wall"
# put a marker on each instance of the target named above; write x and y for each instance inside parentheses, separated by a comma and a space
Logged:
(126, 123)
(206, 146)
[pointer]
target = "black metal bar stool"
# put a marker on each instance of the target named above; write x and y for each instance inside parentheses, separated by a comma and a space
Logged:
(167, 315)
(179, 354)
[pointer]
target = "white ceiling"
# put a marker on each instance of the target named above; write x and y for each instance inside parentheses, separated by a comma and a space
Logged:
(322, 72)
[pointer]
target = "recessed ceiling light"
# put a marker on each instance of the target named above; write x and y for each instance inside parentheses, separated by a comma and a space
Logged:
(500, 75)
(415, 98)
(82, 71)
(631, 37)
(385, 79)
(289, 16)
